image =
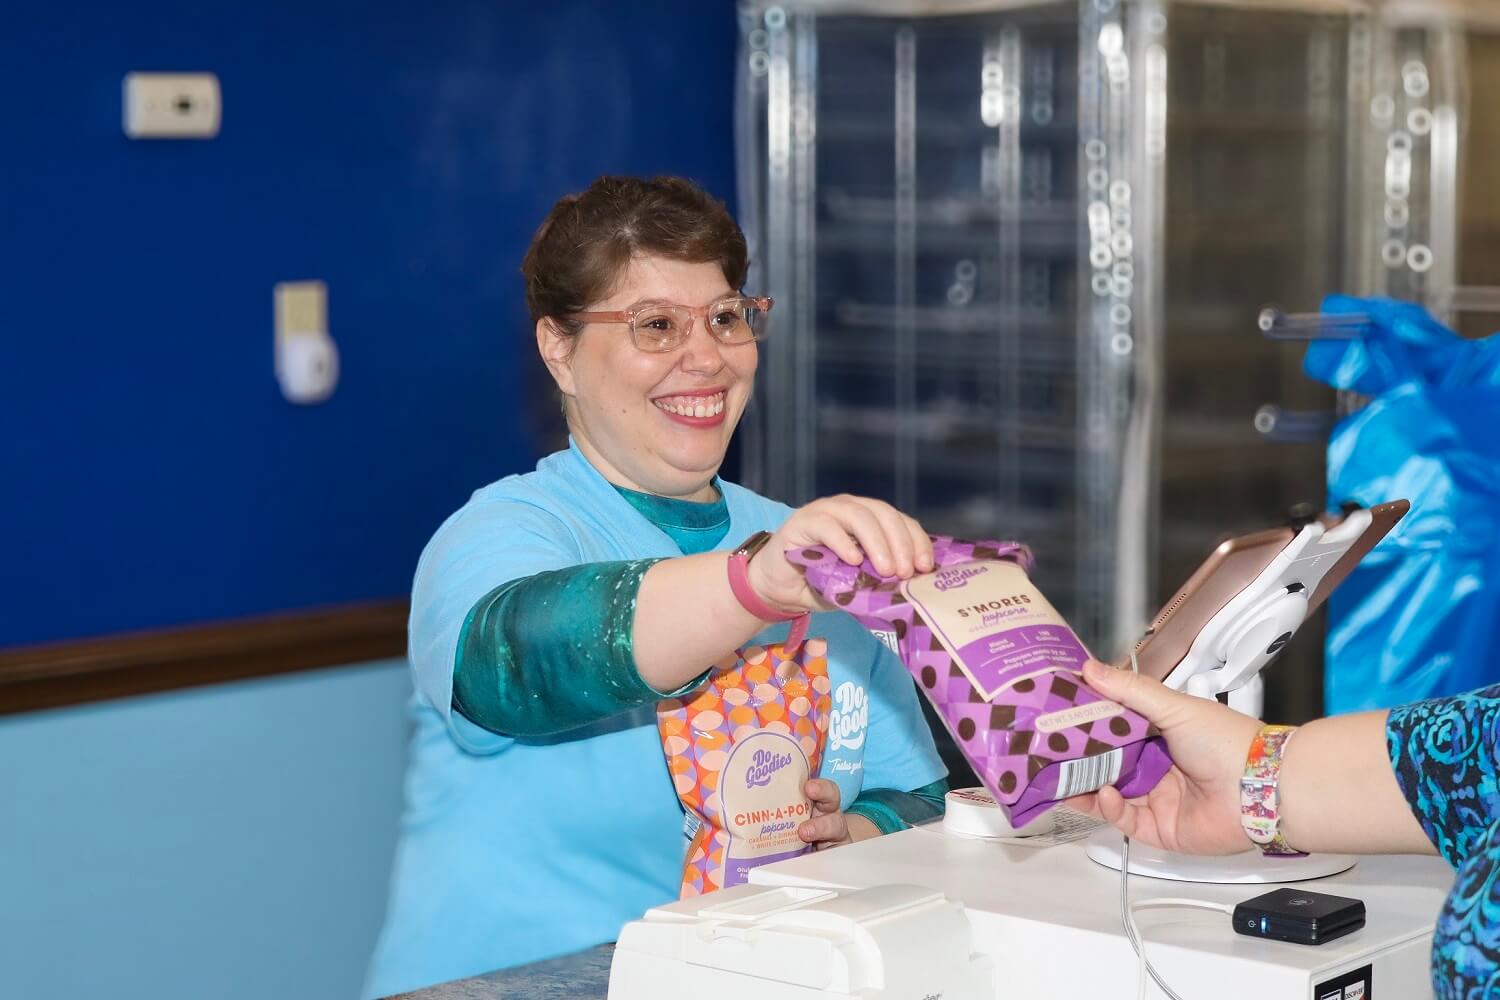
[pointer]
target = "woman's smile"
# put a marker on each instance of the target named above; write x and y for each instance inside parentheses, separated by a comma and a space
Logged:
(698, 408)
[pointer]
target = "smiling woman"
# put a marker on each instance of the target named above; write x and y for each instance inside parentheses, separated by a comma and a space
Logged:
(554, 611)
(663, 402)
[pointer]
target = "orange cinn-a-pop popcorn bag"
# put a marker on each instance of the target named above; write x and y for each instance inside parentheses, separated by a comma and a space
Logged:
(740, 750)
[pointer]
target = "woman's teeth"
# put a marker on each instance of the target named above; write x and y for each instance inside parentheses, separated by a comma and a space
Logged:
(694, 406)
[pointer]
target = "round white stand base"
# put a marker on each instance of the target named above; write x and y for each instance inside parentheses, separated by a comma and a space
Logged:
(1250, 867)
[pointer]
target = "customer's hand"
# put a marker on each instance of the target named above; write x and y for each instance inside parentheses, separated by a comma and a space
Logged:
(854, 528)
(1196, 806)
(830, 825)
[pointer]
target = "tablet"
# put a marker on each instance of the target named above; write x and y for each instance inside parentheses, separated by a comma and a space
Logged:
(1234, 566)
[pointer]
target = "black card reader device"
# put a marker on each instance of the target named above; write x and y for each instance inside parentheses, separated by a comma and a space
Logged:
(1299, 916)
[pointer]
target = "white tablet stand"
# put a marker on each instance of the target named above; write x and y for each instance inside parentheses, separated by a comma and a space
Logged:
(1227, 658)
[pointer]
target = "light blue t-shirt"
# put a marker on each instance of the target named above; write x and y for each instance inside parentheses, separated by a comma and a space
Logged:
(513, 850)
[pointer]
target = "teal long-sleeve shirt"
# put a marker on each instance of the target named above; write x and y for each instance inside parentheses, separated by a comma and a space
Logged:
(554, 651)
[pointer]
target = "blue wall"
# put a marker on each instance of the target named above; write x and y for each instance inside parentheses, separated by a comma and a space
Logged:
(228, 843)
(403, 153)
(236, 842)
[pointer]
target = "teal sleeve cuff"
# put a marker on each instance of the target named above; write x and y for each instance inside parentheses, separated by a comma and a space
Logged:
(555, 651)
(892, 811)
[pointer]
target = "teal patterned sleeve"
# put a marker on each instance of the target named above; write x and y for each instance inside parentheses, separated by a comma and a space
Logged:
(554, 651)
(892, 811)
(1446, 755)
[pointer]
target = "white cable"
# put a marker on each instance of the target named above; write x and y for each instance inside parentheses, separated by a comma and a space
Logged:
(1133, 932)
(1127, 911)
(1133, 935)
(1163, 901)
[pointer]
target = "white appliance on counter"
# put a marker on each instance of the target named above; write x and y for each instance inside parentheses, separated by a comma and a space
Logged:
(928, 913)
(749, 942)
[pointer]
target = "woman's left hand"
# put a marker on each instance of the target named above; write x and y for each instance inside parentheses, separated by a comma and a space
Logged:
(831, 826)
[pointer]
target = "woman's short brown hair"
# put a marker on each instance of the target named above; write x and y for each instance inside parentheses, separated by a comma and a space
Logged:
(584, 244)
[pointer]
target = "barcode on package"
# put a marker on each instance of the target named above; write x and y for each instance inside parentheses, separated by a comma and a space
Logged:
(888, 638)
(1089, 773)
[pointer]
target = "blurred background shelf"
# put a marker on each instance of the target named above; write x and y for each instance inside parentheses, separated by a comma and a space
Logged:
(1019, 254)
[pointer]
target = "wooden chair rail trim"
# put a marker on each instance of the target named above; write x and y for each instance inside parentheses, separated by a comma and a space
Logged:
(55, 675)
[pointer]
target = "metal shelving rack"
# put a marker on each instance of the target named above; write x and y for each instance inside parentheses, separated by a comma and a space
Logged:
(912, 186)
(1261, 134)
(1432, 229)
(1007, 238)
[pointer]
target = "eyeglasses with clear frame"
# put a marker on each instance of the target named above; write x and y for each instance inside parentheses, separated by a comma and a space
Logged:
(658, 327)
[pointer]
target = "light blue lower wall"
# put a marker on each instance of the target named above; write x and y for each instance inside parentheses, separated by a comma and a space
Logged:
(225, 843)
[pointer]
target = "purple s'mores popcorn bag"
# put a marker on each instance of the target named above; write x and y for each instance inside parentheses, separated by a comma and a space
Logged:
(1003, 670)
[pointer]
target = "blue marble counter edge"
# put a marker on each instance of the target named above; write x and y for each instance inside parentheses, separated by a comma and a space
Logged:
(583, 976)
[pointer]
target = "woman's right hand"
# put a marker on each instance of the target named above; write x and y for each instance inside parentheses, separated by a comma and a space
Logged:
(1195, 808)
(854, 528)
